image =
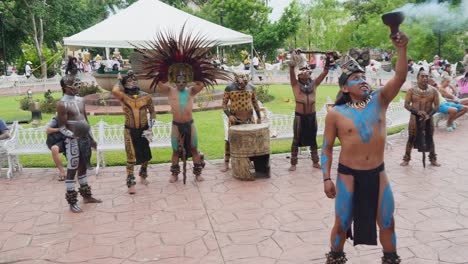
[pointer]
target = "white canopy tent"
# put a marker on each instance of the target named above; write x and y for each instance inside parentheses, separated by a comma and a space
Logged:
(141, 21)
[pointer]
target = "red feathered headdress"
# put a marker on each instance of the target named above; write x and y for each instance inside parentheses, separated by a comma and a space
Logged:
(170, 56)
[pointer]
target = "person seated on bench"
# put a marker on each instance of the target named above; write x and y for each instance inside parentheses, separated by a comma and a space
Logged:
(56, 143)
(449, 92)
(453, 110)
(4, 131)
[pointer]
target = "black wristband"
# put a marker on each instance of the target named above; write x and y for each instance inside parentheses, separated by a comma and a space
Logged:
(414, 111)
(327, 179)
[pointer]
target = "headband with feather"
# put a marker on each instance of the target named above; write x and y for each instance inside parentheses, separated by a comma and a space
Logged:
(170, 56)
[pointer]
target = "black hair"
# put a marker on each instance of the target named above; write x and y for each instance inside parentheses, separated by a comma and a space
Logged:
(342, 98)
(419, 72)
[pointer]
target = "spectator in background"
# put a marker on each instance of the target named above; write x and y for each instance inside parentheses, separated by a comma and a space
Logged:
(465, 61)
(255, 62)
(436, 62)
(463, 86)
(56, 143)
(247, 62)
(27, 69)
(447, 72)
(312, 62)
(410, 66)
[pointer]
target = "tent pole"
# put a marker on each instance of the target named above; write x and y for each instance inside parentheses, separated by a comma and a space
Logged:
(251, 58)
(107, 53)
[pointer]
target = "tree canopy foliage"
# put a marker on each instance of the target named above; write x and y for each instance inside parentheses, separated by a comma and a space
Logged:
(313, 24)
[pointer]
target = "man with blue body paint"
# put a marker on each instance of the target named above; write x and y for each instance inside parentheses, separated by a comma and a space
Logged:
(363, 193)
(181, 102)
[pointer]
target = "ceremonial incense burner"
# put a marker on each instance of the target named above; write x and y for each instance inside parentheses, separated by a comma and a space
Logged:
(393, 21)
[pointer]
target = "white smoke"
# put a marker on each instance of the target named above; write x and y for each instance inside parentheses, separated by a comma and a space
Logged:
(442, 16)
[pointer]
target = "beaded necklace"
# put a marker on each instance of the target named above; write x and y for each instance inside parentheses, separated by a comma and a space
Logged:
(360, 104)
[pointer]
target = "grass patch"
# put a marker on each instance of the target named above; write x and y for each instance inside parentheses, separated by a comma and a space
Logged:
(209, 125)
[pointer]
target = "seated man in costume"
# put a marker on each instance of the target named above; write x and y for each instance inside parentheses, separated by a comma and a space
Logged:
(138, 130)
(179, 66)
(56, 143)
(73, 124)
(422, 101)
(243, 102)
(363, 193)
(4, 131)
(305, 94)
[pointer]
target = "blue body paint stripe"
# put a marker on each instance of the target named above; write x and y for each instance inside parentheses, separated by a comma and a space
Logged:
(387, 207)
(343, 205)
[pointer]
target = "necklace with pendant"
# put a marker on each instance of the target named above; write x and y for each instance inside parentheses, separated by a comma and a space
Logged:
(360, 104)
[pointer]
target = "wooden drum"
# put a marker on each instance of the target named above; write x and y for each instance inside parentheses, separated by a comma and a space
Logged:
(249, 142)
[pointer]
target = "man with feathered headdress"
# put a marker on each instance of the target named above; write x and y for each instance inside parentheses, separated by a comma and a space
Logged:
(242, 100)
(363, 193)
(138, 129)
(180, 68)
(73, 124)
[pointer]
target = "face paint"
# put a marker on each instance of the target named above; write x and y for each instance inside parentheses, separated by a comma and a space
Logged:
(387, 207)
(343, 205)
(354, 82)
(366, 119)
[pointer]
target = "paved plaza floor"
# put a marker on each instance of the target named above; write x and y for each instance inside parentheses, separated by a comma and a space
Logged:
(282, 220)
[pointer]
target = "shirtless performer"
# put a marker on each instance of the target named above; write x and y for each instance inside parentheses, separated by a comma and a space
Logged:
(242, 100)
(73, 124)
(423, 102)
(180, 68)
(305, 93)
(363, 193)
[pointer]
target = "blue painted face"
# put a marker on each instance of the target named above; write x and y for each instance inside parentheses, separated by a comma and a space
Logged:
(357, 81)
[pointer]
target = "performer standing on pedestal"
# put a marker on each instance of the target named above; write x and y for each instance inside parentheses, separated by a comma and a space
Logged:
(305, 122)
(73, 124)
(363, 193)
(182, 60)
(138, 131)
(243, 102)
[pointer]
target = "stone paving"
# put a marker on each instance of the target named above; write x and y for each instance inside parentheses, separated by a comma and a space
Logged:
(282, 220)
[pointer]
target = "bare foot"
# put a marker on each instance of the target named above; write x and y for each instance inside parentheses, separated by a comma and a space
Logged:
(131, 189)
(173, 178)
(225, 168)
(144, 181)
(91, 200)
(199, 178)
(292, 168)
(435, 164)
(316, 165)
(404, 163)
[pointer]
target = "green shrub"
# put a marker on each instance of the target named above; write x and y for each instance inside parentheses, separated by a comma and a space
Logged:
(49, 104)
(25, 103)
(87, 88)
(263, 93)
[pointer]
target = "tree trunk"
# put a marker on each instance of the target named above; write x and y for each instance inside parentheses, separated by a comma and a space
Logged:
(38, 37)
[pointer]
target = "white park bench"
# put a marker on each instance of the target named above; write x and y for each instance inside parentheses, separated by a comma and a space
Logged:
(30, 141)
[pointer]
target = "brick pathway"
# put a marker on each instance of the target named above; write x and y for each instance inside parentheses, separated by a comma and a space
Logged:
(282, 220)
